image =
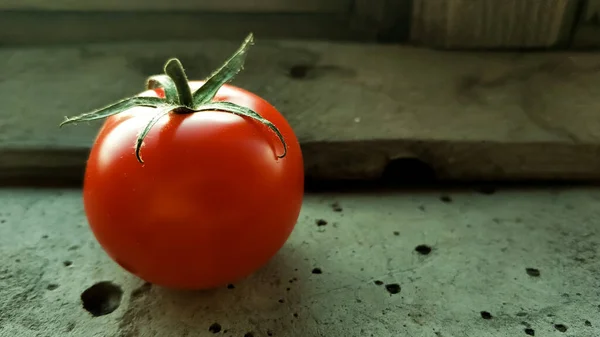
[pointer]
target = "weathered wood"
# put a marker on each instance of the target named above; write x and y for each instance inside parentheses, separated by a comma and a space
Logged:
(388, 20)
(587, 34)
(481, 24)
(31, 28)
(355, 108)
(256, 6)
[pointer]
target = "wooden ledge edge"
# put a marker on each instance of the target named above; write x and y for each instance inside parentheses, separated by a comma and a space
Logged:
(366, 161)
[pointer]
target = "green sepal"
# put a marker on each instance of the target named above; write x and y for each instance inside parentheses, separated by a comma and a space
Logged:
(166, 83)
(140, 138)
(179, 98)
(226, 73)
(116, 108)
(246, 112)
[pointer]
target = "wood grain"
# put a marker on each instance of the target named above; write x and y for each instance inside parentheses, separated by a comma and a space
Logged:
(482, 24)
(388, 20)
(256, 6)
(587, 34)
(32, 27)
(356, 108)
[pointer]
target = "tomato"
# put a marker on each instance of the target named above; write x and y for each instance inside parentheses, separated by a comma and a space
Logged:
(213, 200)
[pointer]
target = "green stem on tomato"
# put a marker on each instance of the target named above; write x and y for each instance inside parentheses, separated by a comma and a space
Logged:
(179, 97)
(174, 69)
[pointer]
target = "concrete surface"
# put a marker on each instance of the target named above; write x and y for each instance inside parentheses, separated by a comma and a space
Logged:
(509, 263)
(354, 107)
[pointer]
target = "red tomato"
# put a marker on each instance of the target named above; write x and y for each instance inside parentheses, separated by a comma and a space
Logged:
(211, 203)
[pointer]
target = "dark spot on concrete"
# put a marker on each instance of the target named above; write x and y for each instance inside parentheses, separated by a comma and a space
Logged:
(281, 300)
(487, 190)
(52, 286)
(446, 198)
(486, 315)
(299, 71)
(141, 290)
(526, 324)
(296, 314)
(422, 208)
(67, 263)
(102, 298)
(533, 272)
(44, 236)
(3, 221)
(587, 323)
(230, 286)
(423, 249)
(215, 328)
(321, 222)
(336, 207)
(317, 271)
(74, 247)
(529, 331)
(396, 233)
(560, 327)
(403, 171)
(379, 283)
(521, 314)
(358, 300)
(70, 327)
(248, 334)
(288, 289)
(18, 260)
(393, 288)
(308, 71)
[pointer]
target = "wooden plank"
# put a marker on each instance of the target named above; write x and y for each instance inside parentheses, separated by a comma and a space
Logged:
(356, 108)
(591, 11)
(255, 6)
(30, 28)
(587, 34)
(388, 20)
(481, 24)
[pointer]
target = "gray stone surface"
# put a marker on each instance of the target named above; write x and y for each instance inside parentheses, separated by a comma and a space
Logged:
(354, 107)
(482, 245)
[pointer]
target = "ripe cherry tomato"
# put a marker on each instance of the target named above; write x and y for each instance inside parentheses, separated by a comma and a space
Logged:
(211, 203)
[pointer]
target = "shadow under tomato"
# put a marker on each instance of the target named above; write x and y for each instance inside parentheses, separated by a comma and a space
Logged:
(268, 303)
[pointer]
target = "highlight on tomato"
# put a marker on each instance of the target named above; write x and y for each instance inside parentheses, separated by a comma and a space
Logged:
(193, 184)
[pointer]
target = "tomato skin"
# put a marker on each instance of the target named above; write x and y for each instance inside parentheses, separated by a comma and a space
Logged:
(211, 204)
